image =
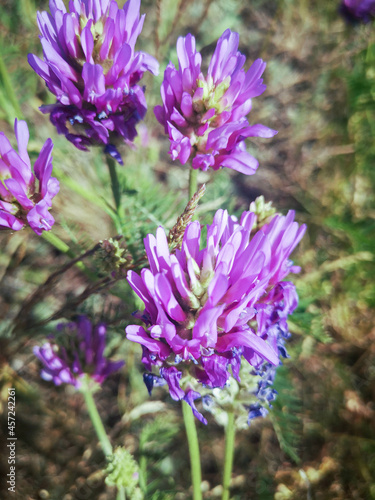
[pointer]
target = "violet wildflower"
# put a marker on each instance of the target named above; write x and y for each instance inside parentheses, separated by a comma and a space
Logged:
(22, 201)
(358, 10)
(76, 352)
(205, 115)
(252, 395)
(208, 309)
(91, 66)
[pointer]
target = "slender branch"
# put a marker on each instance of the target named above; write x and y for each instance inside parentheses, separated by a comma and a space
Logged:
(9, 88)
(97, 421)
(193, 182)
(195, 462)
(60, 245)
(115, 185)
(203, 16)
(23, 316)
(230, 432)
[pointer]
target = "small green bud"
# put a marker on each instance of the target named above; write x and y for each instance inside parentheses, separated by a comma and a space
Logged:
(112, 256)
(122, 472)
(264, 212)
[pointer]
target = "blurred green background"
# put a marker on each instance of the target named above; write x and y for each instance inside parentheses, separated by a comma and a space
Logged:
(319, 441)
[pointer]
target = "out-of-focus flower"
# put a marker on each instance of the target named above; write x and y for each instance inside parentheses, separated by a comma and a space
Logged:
(22, 202)
(206, 309)
(75, 353)
(205, 115)
(358, 10)
(91, 66)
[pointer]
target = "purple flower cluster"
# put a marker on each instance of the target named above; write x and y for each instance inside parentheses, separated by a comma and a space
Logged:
(21, 201)
(271, 317)
(91, 66)
(205, 115)
(76, 351)
(206, 309)
(358, 10)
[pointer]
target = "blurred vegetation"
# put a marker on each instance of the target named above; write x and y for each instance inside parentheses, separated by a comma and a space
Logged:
(319, 441)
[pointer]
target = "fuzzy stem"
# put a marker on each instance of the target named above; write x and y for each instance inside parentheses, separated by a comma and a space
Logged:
(195, 462)
(97, 421)
(115, 185)
(230, 432)
(193, 182)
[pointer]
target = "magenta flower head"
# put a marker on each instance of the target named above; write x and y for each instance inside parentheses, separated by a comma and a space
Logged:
(75, 353)
(205, 116)
(23, 201)
(355, 11)
(91, 66)
(207, 309)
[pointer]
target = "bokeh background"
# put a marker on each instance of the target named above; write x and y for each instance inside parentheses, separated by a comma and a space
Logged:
(318, 443)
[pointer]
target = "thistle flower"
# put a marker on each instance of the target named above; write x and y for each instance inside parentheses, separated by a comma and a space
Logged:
(21, 201)
(207, 309)
(205, 115)
(358, 10)
(76, 352)
(91, 66)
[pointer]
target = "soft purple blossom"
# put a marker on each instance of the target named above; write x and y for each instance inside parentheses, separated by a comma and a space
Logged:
(271, 317)
(23, 200)
(91, 66)
(205, 116)
(358, 10)
(76, 352)
(208, 308)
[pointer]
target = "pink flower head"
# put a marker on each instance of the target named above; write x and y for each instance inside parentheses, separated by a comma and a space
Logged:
(205, 115)
(76, 351)
(206, 309)
(22, 202)
(91, 66)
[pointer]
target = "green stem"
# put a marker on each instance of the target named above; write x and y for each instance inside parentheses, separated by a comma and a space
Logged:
(121, 493)
(97, 421)
(57, 243)
(9, 89)
(195, 462)
(193, 182)
(230, 432)
(61, 246)
(143, 473)
(115, 185)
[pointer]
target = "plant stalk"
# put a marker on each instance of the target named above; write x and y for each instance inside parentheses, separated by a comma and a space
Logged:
(60, 245)
(230, 432)
(115, 185)
(195, 462)
(193, 182)
(121, 493)
(97, 421)
(9, 90)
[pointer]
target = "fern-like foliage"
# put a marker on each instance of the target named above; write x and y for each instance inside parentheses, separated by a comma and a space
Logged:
(286, 414)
